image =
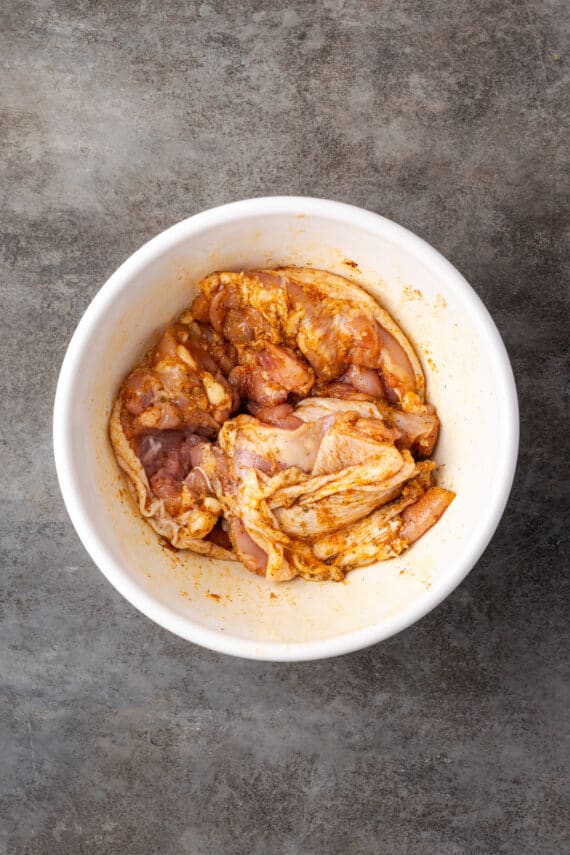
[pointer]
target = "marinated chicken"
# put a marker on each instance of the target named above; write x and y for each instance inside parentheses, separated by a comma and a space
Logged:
(282, 422)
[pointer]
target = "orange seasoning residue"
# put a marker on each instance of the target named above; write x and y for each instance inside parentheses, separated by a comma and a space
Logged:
(429, 359)
(273, 596)
(413, 293)
(216, 597)
(350, 263)
(166, 544)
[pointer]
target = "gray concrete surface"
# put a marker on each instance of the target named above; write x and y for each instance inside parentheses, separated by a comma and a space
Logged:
(118, 120)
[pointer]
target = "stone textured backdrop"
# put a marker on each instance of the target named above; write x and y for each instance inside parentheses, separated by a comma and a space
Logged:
(120, 118)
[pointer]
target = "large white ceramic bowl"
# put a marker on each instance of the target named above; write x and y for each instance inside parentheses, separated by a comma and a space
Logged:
(220, 604)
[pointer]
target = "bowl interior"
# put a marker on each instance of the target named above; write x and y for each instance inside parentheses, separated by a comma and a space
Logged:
(220, 603)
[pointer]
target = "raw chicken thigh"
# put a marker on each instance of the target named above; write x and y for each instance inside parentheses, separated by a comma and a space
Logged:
(281, 421)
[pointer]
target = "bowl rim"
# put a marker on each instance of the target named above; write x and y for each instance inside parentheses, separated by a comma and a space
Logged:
(222, 641)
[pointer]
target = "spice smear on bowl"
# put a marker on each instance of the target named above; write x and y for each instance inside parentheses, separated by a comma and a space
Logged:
(282, 422)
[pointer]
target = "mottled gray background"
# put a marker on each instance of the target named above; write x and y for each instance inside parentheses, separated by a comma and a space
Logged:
(118, 120)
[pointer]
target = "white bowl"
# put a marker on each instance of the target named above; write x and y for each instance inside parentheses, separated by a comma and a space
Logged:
(221, 605)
